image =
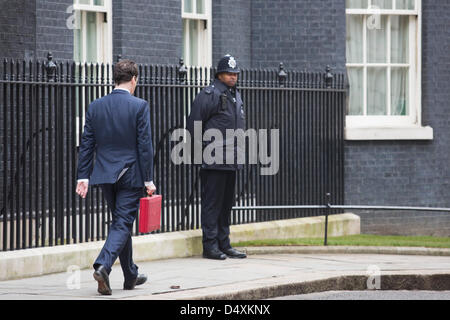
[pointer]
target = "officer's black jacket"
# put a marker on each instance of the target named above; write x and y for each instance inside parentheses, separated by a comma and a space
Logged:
(217, 108)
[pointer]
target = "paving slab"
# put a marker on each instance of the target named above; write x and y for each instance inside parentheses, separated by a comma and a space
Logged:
(259, 276)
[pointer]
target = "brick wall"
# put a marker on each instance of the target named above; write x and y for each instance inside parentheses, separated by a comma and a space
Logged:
(148, 31)
(232, 30)
(302, 34)
(52, 33)
(17, 29)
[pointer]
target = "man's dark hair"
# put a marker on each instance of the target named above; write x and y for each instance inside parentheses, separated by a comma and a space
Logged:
(124, 71)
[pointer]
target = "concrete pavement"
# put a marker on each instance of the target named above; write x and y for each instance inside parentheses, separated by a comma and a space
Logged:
(35, 262)
(263, 275)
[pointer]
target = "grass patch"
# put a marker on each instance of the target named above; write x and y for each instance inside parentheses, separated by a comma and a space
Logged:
(355, 240)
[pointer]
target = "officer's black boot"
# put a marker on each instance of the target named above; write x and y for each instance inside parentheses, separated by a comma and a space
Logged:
(215, 254)
(235, 254)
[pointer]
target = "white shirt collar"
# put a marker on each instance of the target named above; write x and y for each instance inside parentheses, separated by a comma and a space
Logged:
(123, 89)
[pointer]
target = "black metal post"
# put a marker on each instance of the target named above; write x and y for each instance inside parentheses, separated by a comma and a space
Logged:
(327, 212)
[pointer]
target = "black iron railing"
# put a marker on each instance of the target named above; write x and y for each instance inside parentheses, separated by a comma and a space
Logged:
(329, 207)
(42, 107)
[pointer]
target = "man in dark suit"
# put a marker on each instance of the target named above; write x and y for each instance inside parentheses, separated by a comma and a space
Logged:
(117, 130)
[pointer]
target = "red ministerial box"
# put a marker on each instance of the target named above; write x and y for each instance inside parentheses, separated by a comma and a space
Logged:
(150, 214)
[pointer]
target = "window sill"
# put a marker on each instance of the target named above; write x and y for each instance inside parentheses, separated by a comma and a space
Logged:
(388, 133)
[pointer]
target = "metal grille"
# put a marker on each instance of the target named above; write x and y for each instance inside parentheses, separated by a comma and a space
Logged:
(42, 107)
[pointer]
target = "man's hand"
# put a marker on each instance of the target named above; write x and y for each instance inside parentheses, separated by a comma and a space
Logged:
(82, 189)
(151, 189)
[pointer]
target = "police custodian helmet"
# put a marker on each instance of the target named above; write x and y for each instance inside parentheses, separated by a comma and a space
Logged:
(227, 64)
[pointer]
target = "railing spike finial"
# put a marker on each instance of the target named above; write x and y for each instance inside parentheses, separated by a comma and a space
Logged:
(50, 67)
(328, 77)
(182, 71)
(282, 75)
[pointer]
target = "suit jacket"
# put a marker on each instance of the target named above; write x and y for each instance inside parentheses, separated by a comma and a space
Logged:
(117, 130)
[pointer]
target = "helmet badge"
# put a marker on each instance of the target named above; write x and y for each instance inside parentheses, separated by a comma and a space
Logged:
(232, 62)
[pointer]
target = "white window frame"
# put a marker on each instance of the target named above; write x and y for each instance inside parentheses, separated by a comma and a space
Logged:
(104, 51)
(205, 53)
(408, 127)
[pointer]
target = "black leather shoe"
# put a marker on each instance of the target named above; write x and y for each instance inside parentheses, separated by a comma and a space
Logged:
(102, 277)
(129, 285)
(233, 253)
(214, 254)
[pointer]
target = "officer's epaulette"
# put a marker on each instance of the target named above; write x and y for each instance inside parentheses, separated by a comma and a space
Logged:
(209, 90)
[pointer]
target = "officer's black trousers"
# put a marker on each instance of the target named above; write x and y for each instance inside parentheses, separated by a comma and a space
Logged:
(218, 187)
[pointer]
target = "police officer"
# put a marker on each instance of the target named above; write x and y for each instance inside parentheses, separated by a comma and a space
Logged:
(218, 106)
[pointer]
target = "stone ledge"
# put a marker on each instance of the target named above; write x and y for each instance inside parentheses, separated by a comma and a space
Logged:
(40, 261)
(409, 282)
(414, 251)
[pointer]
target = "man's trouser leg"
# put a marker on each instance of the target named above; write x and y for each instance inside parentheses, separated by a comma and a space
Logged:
(229, 199)
(124, 204)
(218, 188)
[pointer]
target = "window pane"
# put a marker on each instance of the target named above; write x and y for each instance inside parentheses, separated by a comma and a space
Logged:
(77, 45)
(357, 4)
(400, 91)
(376, 39)
(200, 6)
(382, 4)
(376, 91)
(188, 6)
(193, 42)
(400, 39)
(356, 96)
(84, 1)
(98, 3)
(355, 38)
(184, 40)
(405, 4)
(91, 48)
